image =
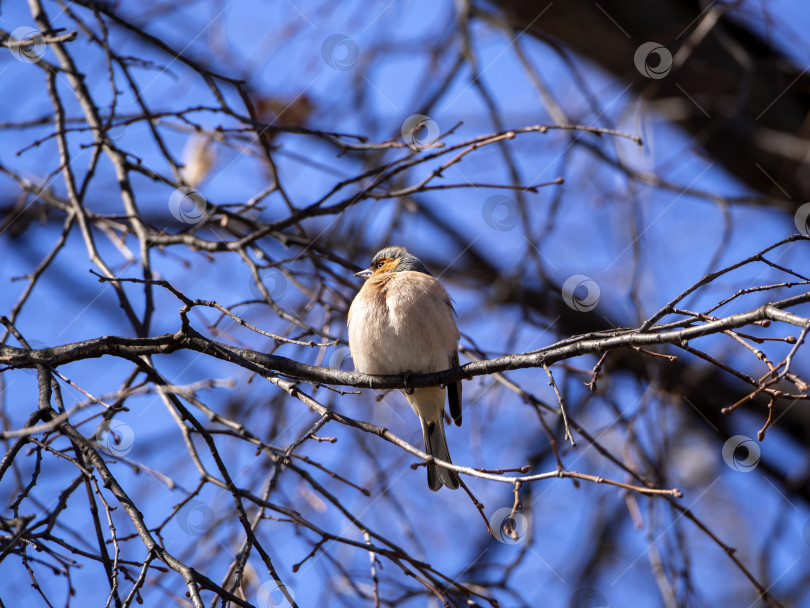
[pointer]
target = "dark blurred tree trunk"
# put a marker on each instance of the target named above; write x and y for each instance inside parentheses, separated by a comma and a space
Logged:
(749, 102)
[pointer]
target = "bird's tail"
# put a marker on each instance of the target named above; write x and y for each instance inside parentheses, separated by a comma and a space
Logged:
(436, 446)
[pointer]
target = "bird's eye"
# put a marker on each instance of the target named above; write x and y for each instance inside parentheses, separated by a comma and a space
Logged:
(380, 264)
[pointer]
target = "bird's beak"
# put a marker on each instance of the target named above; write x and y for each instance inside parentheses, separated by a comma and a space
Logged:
(364, 274)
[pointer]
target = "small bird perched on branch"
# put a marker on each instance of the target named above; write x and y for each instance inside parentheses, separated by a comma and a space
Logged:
(402, 322)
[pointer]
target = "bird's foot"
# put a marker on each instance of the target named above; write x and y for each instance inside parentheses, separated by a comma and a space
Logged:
(406, 379)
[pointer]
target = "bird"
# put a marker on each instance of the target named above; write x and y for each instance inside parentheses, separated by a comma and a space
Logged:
(402, 321)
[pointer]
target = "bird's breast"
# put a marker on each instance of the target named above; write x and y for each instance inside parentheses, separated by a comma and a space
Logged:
(402, 322)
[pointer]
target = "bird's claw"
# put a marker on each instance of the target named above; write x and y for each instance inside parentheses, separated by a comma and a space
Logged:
(408, 389)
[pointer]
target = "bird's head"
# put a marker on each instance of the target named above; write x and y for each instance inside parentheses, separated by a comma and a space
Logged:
(392, 259)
